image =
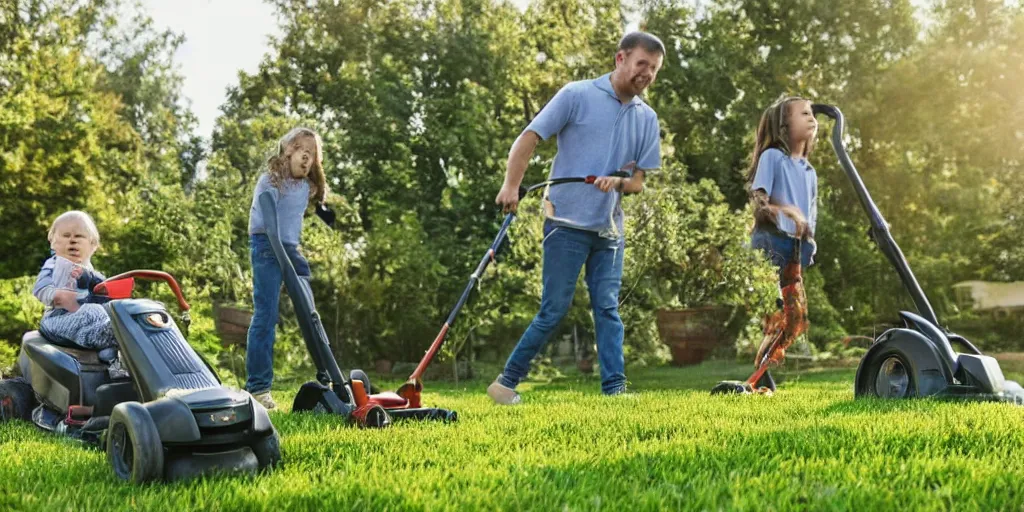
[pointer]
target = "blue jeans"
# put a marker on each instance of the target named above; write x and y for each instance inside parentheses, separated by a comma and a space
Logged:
(779, 248)
(266, 292)
(566, 251)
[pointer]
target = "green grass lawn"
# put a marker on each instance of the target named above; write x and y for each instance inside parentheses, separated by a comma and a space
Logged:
(670, 446)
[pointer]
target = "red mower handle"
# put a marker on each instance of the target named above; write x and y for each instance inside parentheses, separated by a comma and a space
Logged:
(148, 275)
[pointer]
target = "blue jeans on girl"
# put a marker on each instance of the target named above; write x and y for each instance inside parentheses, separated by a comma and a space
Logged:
(266, 293)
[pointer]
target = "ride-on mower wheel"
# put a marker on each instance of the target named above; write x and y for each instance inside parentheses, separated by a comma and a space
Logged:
(888, 374)
(133, 444)
(268, 451)
(16, 400)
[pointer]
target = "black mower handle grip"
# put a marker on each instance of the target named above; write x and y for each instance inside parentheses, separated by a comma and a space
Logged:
(524, 191)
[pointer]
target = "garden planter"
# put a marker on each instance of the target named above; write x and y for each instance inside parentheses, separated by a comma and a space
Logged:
(231, 323)
(383, 366)
(693, 334)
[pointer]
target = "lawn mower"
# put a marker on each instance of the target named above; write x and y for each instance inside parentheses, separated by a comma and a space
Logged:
(353, 397)
(917, 359)
(168, 419)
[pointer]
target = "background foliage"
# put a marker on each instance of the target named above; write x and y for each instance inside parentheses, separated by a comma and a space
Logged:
(418, 102)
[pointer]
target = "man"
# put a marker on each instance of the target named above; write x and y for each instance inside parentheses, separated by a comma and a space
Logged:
(602, 126)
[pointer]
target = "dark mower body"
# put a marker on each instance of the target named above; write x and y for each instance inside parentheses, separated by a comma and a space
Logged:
(918, 359)
(170, 418)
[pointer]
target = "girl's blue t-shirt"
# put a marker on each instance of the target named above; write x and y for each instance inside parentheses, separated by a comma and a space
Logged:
(292, 200)
(788, 181)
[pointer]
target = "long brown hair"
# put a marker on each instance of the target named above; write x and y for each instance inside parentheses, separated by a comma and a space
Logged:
(277, 165)
(773, 132)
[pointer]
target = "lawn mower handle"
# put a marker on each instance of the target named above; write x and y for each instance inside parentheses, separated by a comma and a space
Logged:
(313, 334)
(525, 191)
(149, 275)
(879, 231)
(492, 252)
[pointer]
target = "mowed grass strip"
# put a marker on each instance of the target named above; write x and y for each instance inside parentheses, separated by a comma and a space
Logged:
(669, 446)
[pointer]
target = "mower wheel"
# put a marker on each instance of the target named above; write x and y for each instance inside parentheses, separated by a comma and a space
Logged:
(268, 451)
(889, 375)
(16, 400)
(374, 416)
(133, 444)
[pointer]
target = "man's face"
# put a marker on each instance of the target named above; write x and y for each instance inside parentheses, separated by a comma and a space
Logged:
(639, 67)
(71, 241)
(303, 155)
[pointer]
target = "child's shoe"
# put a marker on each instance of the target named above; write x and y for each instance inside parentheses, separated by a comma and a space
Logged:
(265, 400)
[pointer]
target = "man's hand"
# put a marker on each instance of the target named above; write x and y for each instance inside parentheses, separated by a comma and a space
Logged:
(608, 183)
(518, 158)
(508, 198)
(66, 299)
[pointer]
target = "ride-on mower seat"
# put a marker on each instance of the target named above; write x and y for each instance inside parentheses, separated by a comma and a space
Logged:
(83, 355)
(62, 375)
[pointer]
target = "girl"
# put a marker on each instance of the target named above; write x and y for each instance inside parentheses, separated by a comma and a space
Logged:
(294, 175)
(784, 188)
(65, 283)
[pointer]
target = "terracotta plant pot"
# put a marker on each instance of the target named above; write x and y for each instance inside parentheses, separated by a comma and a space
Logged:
(585, 366)
(231, 323)
(692, 334)
(383, 366)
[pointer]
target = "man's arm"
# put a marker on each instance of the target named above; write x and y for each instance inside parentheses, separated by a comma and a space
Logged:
(630, 185)
(626, 185)
(518, 159)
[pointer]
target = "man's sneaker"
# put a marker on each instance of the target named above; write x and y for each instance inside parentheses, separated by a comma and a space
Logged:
(502, 394)
(621, 391)
(265, 400)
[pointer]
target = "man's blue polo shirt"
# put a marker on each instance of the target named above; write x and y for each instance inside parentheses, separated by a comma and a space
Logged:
(597, 135)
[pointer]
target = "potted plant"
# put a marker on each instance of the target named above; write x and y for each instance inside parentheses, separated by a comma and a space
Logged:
(231, 316)
(687, 261)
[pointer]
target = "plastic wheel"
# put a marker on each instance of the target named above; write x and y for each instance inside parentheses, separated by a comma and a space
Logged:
(268, 451)
(890, 375)
(16, 400)
(133, 444)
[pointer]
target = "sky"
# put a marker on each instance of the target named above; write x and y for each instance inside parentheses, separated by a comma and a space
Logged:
(221, 38)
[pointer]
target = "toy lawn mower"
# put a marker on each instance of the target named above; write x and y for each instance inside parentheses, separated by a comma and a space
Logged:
(352, 397)
(332, 393)
(170, 418)
(918, 359)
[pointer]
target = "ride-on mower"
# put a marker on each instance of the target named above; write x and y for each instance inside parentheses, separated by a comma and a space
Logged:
(170, 418)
